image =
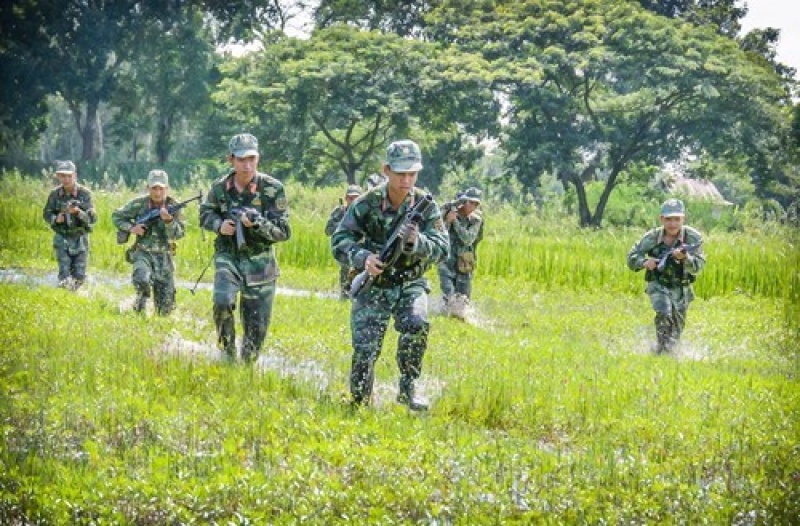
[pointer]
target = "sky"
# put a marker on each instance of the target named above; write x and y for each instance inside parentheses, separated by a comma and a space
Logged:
(780, 14)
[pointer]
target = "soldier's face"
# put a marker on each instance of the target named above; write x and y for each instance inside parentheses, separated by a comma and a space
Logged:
(158, 194)
(401, 182)
(67, 180)
(672, 224)
(244, 165)
(469, 207)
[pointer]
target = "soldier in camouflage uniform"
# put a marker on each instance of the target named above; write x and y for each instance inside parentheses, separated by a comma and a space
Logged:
(464, 223)
(70, 213)
(400, 291)
(353, 192)
(152, 253)
(255, 204)
(670, 289)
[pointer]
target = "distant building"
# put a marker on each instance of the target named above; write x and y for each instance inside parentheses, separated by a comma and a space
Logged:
(697, 189)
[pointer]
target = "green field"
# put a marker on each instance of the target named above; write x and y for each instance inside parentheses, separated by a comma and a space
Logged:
(547, 405)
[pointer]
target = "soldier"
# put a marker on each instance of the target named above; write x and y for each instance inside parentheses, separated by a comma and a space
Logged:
(249, 213)
(154, 249)
(70, 213)
(399, 291)
(464, 223)
(672, 255)
(353, 191)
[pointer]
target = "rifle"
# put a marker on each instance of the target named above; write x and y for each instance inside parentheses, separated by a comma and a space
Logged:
(153, 215)
(686, 249)
(394, 246)
(67, 216)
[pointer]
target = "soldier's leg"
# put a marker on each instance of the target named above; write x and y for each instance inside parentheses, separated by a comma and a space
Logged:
(80, 259)
(164, 284)
(464, 284)
(226, 287)
(411, 321)
(256, 314)
(369, 318)
(344, 281)
(141, 277)
(446, 280)
(662, 305)
(64, 261)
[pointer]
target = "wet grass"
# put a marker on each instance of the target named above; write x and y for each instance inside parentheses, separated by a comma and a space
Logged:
(547, 408)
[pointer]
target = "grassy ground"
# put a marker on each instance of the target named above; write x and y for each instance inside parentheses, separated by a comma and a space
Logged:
(547, 405)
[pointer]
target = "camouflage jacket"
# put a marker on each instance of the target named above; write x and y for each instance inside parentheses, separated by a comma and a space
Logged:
(265, 194)
(159, 234)
(465, 232)
(370, 221)
(335, 218)
(652, 246)
(79, 224)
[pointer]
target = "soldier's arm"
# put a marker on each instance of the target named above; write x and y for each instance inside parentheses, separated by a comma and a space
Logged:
(333, 221)
(694, 263)
(433, 242)
(125, 216)
(210, 214)
(176, 228)
(467, 231)
(637, 255)
(51, 211)
(345, 241)
(274, 224)
(87, 214)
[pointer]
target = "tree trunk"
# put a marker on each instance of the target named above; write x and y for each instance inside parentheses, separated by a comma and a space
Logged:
(90, 134)
(601, 205)
(163, 140)
(584, 214)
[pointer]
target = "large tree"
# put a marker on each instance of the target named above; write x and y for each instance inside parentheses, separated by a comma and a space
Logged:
(594, 86)
(340, 96)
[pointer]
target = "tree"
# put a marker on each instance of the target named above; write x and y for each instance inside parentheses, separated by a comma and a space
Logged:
(340, 96)
(594, 86)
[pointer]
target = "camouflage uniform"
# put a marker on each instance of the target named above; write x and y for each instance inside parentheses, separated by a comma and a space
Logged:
(670, 290)
(455, 274)
(71, 238)
(251, 270)
(152, 253)
(330, 227)
(400, 291)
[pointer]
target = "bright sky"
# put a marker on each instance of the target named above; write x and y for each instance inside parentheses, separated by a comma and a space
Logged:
(780, 14)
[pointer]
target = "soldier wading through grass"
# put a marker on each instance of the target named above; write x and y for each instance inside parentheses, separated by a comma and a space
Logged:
(672, 255)
(399, 290)
(249, 213)
(152, 253)
(70, 213)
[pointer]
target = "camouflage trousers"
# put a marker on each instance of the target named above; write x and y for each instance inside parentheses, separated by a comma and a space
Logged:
(671, 305)
(369, 320)
(452, 281)
(253, 278)
(72, 254)
(344, 281)
(154, 271)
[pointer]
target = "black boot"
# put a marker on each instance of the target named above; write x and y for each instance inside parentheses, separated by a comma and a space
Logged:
(405, 396)
(226, 332)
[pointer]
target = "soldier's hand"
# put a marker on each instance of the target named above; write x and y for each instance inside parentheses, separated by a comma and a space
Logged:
(74, 209)
(138, 230)
(373, 265)
(450, 217)
(165, 215)
(246, 220)
(228, 228)
(61, 217)
(650, 264)
(679, 254)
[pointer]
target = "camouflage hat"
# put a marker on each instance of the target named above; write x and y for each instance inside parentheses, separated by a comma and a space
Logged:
(65, 167)
(243, 145)
(472, 194)
(353, 189)
(157, 178)
(673, 208)
(404, 156)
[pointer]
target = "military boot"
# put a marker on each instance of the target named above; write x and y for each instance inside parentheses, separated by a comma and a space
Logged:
(140, 303)
(405, 396)
(664, 341)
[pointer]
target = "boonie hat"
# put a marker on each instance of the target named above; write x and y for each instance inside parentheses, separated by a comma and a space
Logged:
(65, 167)
(243, 145)
(157, 178)
(353, 189)
(404, 156)
(673, 208)
(472, 194)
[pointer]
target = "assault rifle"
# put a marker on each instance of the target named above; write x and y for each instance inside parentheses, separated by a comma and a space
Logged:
(686, 249)
(236, 216)
(67, 215)
(153, 215)
(394, 246)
